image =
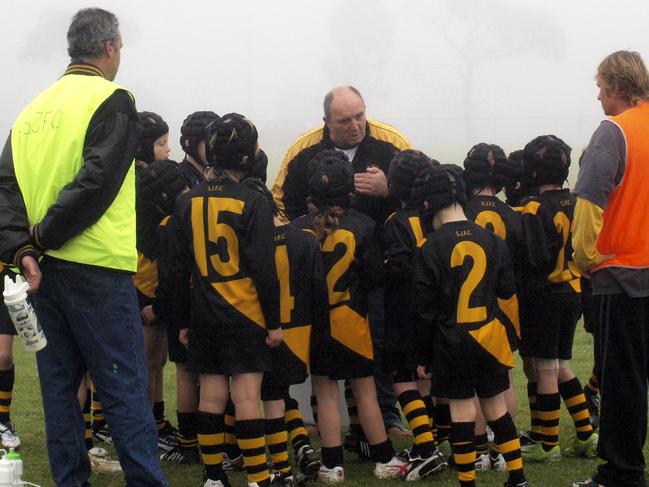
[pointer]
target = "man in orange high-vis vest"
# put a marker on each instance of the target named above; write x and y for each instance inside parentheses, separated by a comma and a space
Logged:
(611, 242)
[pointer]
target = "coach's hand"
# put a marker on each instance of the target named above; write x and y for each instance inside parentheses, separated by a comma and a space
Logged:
(183, 336)
(274, 337)
(371, 183)
(32, 273)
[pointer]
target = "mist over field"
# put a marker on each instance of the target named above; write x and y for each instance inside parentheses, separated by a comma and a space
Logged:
(447, 73)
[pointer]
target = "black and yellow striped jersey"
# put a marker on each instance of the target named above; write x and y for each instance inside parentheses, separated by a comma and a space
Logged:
(547, 221)
(302, 301)
(352, 267)
(403, 236)
(221, 236)
(466, 299)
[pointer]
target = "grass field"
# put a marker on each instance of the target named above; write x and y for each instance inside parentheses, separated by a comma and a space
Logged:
(27, 415)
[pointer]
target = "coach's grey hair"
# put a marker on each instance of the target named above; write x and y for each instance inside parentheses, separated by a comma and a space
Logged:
(90, 29)
(328, 99)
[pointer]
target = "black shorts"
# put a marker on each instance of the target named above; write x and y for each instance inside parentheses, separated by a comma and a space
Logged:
(273, 392)
(484, 387)
(332, 359)
(177, 351)
(548, 325)
(228, 357)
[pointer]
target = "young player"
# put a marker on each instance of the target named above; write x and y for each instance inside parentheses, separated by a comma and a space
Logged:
(152, 207)
(192, 140)
(485, 173)
(345, 350)
(402, 237)
(465, 286)
(303, 306)
(551, 293)
(221, 237)
(8, 436)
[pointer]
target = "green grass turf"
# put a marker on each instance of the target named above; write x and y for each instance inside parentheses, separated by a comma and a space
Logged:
(27, 415)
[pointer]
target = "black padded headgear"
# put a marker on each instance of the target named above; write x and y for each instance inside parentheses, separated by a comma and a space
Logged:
(330, 179)
(260, 166)
(160, 183)
(546, 160)
(260, 187)
(194, 131)
(438, 187)
(516, 186)
(229, 140)
(154, 128)
(485, 165)
(404, 168)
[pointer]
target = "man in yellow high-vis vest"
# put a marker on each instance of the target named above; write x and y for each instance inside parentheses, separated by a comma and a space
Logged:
(67, 193)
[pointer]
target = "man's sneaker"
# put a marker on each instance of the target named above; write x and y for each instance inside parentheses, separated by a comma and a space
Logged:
(359, 447)
(527, 440)
(482, 462)
(586, 483)
(593, 403)
(419, 467)
(184, 456)
(583, 448)
(167, 437)
(538, 454)
(102, 433)
(235, 464)
(497, 461)
(100, 461)
(307, 461)
(520, 484)
(396, 468)
(334, 475)
(8, 435)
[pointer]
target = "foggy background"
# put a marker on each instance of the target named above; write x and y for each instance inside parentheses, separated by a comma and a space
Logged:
(447, 73)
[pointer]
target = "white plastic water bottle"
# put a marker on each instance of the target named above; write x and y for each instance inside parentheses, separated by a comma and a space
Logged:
(23, 315)
(11, 469)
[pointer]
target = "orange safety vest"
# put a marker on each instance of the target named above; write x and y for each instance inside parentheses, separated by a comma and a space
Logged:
(625, 229)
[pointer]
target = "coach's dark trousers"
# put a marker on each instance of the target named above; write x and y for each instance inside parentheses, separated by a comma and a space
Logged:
(622, 339)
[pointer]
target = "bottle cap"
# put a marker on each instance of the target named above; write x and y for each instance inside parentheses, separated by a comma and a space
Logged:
(15, 291)
(13, 455)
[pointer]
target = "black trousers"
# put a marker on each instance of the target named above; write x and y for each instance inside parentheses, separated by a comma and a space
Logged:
(622, 339)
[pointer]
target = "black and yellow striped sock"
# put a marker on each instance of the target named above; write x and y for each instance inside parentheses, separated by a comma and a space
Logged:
(87, 418)
(231, 447)
(443, 422)
(508, 444)
(250, 437)
(593, 383)
(209, 427)
(277, 441)
(7, 378)
(549, 414)
(187, 438)
(352, 411)
(295, 424)
(575, 400)
(159, 414)
(535, 420)
(462, 443)
(314, 408)
(98, 418)
(430, 409)
(415, 410)
(481, 444)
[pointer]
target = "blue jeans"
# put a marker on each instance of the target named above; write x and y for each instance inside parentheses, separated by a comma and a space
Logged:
(383, 380)
(91, 321)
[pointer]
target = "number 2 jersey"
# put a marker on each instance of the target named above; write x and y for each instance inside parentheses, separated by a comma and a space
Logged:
(352, 267)
(221, 240)
(303, 303)
(466, 301)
